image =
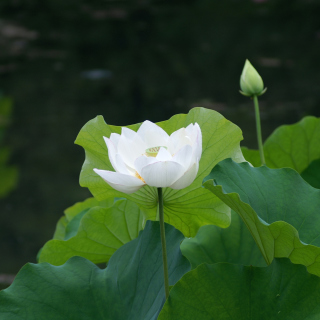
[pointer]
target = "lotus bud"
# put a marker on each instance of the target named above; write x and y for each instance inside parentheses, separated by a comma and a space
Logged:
(251, 83)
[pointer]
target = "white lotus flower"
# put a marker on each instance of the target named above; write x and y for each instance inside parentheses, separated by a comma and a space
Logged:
(151, 157)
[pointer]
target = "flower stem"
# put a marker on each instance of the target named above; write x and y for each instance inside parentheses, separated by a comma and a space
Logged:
(258, 125)
(163, 243)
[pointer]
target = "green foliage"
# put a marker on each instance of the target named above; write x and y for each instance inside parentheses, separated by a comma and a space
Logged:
(293, 146)
(131, 287)
(68, 224)
(312, 174)
(89, 203)
(275, 214)
(252, 156)
(224, 291)
(213, 244)
(94, 233)
(137, 39)
(279, 208)
(186, 209)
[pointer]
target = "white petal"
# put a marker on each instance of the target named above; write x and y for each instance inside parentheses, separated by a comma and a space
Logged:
(120, 166)
(184, 156)
(121, 182)
(148, 127)
(130, 150)
(187, 178)
(198, 143)
(111, 152)
(177, 140)
(143, 161)
(189, 129)
(162, 174)
(153, 139)
(114, 137)
(163, 155)
(192, 132)
(128, 133)
(115, 159)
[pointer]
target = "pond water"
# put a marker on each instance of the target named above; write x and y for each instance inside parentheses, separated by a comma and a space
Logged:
(64, 62)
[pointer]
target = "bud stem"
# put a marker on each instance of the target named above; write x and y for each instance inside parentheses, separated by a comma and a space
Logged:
(258, 125)
(163, 243)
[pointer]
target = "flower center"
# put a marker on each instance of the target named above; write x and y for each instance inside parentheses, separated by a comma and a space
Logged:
(152, 152)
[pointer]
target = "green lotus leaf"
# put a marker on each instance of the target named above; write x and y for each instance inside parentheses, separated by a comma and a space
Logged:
(60, 231)
(89, 203)
(279, 208)
(130, 288)
(68, 224)
(252, 156)
(225, 291)
(213, 244)
(312, 174)
(290, 146)
(100, 233)
(186, 209)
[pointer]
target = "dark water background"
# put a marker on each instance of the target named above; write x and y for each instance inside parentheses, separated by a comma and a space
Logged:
(65, 61)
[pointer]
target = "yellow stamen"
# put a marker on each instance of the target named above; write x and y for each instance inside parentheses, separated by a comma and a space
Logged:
(137, 175)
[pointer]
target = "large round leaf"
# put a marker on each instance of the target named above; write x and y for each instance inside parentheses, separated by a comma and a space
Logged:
(279, 208)
(100, 233)
(68, 224)
(130, 288)
(312, 174)
(293, 146)
(227, 292)
(186, 209)
(213, 244)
